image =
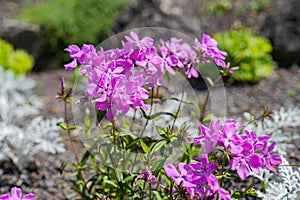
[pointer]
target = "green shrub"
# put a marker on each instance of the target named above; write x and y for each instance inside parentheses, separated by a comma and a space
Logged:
(73, 21)
(217, 7)
(19, 61)
(250, 52)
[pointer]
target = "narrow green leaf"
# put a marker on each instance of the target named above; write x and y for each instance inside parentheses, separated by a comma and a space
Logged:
(128, 179)
(145, 148)
(100, 115)
(119, 175)
(74, 127)
(85, 158)
(210, 81)
(62, 125)
(132, 143)
(62, 167)
(110, 183)
(158, 145)
(87, 123)
(157, 195)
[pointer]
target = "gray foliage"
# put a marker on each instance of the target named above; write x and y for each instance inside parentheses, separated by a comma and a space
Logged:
(22, 133)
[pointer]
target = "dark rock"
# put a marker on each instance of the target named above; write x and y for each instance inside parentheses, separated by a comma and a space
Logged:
(21, 35)
(282, 28)
(173, 14)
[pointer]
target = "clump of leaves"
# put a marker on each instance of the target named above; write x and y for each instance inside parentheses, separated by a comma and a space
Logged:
(73, 21)
(19, 61)
(250, 52)
(259, 5)
(217, 7)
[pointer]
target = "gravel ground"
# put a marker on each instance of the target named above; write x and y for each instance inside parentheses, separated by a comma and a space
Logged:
(282, 88)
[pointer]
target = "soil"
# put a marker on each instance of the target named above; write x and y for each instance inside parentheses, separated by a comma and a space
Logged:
(281, 89)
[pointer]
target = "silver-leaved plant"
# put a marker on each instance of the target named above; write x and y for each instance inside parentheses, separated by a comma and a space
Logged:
(22, 132)
(278, 127)
(283, 185)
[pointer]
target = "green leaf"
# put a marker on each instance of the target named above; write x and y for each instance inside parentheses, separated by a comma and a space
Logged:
(62, 125)
(62, 167)
(85, 158)
(128, 179)
(74, 127)
(145, 148)
(132, 143)
(87, 123)
(210, 81)
(157, 195)
(100, 115)
(119, 175)
(158, 145)
(110, 183)
(238, 194)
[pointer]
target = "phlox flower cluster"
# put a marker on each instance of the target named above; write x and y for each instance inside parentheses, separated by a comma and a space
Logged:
(120, 78)
(16, 194)
(196, 177)
(248, 152)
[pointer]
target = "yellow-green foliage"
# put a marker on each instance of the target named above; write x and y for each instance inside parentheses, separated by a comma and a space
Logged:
(19, 61)
(250, 52)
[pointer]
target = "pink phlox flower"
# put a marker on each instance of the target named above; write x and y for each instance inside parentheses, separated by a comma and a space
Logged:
(191, 71)
(79, 55)
(193, 176)
(209, 136)
(16, 194)
(144, 43)
(209, 50)
(174, 47)
(151, 61)
(181, 177)
(137, 93)
(201, 170)
(246, 161)
(229, 137)
(147, 176)
(214, 185)
(269, 159)
(168, 60)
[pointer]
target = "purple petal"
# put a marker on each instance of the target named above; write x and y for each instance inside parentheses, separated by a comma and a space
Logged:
(134, 36)
(16, 193)
(235, 149)
(254, 160)
(275, 159)
(5, 197)
(102, 105)
(147, 41)
(243, 170)
(224, 194)
(111, 113)
(209, 146)
(272, 146)
(29, 197)
(234, 162)
(171, 171)
(70, 66)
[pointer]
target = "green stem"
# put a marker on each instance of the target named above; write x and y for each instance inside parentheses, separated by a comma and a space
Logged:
(147, 120)
(179, 107)
(290, 165)
(71, 141)
(143, 190)
(204, 106)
